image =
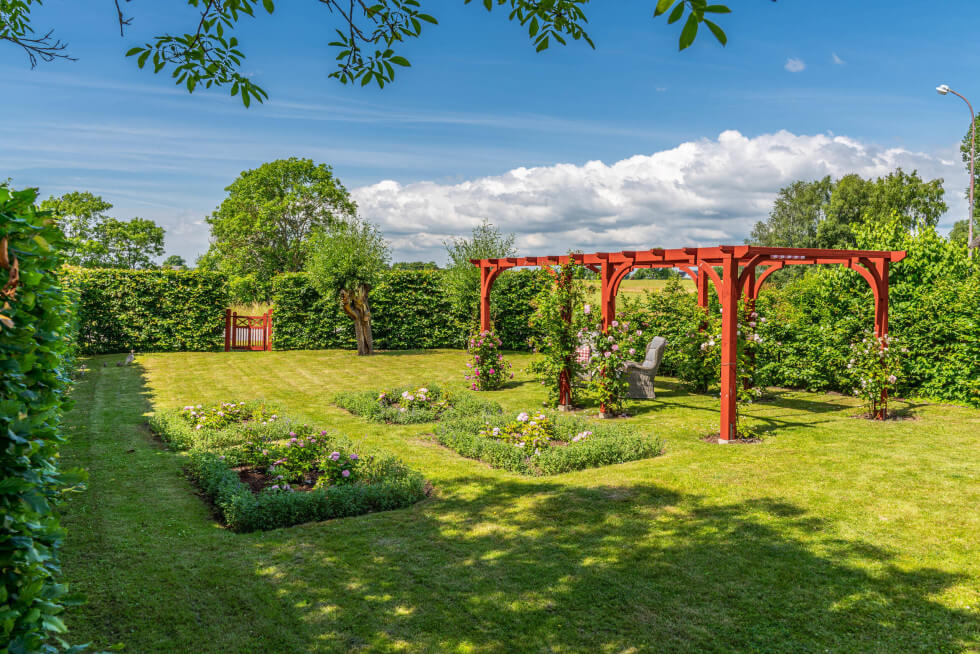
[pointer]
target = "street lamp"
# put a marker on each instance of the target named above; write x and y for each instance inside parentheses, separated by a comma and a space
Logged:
(942, 89)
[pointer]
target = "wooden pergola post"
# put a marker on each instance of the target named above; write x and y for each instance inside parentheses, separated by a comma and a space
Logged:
(738, 274)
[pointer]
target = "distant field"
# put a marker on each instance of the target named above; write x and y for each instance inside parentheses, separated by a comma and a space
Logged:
(635, 287)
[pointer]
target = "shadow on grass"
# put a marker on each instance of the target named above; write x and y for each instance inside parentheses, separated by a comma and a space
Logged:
(531, 566)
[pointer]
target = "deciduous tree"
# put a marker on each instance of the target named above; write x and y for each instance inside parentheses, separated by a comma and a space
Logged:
(345, 260)
(264, 225)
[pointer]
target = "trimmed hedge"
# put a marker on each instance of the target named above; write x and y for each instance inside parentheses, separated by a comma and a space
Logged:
(366, 405)
(389, 483)
(609, 444)
(243, 511)
(410, 310)
(148, 310)
(34, 359)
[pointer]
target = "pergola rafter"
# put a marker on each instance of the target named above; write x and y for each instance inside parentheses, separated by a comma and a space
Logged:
(740, 277)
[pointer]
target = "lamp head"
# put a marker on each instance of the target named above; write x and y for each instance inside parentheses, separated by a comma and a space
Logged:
(942, 89)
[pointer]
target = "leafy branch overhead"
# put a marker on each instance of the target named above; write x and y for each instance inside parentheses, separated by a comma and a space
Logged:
(368, 36)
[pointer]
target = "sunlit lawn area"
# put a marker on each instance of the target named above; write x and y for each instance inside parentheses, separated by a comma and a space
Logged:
(835, 534)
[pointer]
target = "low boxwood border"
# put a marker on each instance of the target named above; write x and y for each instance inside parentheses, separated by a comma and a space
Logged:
(391, 485)
(607, 445)
(244, 511)
(365, 404)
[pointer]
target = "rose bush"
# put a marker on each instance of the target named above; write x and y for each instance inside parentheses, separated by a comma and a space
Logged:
(486, 370)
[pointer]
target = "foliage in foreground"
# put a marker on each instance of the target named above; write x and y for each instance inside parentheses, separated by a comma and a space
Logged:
(346, 479)
(35, 322)
(407, 405)
(558, 443)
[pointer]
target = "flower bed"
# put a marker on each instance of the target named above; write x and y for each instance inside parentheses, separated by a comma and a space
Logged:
(412, 405)
(274, 473)
(542, 444)
(217, 426)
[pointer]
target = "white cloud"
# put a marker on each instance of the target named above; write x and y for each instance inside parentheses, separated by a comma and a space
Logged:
(837, 60)
(794, 65)
(706, 192)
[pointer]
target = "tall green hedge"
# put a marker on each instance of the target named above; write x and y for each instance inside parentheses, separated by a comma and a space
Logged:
(34, 327)
(409, 308)
(148, 310)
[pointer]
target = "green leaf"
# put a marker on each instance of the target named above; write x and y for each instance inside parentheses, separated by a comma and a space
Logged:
(399, 60)
(689, 32)
(676, 14)
(662, 6)
(717, 31)
(542, 45)
(132, 51)
(269, 6)
(717, 9)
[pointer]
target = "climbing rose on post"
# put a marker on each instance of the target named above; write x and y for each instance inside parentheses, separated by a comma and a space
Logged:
(875, 367)
(486, 370)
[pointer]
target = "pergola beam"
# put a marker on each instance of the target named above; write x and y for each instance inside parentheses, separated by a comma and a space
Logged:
(739, 278)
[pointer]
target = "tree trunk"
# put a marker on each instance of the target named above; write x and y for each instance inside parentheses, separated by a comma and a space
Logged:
(355, 304)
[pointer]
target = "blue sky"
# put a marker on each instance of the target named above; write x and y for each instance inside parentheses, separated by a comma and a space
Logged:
(481, 126)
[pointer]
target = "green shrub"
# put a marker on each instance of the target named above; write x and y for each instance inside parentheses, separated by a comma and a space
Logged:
(410, 310)
(388, 405)
(382, 483)
(148, 310)
(179, 429)
(35, 321)
(579, 444)
(244, 511)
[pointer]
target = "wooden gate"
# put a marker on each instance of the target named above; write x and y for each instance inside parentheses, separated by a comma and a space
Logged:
(248, 332)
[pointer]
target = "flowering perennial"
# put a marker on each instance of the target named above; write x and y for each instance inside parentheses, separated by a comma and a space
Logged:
(530, 433)
(874, 368)
(487, 369)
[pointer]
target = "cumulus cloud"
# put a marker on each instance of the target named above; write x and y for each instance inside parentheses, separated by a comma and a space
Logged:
(795, 65)
(705, 192)
(837, 60)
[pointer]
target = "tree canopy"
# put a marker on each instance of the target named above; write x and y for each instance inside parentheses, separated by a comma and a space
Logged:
(367, 36)
(264, 225)
(94, 239)
(823, 213)
(462, 277)
(345, 260)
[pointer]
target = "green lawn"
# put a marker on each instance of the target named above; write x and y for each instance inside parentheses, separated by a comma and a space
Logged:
(834, 535)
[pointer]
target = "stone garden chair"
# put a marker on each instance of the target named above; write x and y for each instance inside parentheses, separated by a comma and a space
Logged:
(640, 375)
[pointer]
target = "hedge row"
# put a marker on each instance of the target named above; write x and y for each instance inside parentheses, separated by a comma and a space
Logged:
(35, 323)
(243, 511)
(410, 310)
(148, 310)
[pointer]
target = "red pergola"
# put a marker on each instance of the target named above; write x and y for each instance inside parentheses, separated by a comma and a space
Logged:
(741, 275)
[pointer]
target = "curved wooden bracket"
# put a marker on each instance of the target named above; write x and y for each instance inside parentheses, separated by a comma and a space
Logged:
(770, 269)
(709, 270)
(747, 271)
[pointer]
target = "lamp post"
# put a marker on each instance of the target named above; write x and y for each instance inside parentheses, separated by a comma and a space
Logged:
(942, 89)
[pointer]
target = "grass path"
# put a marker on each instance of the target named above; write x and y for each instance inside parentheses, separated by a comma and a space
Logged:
(836, 534)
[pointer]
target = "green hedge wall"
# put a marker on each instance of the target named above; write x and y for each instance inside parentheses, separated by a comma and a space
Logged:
(148, 310)
(409, 308)
(34, 355)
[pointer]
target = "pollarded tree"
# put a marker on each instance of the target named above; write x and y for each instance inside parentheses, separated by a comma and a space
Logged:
(462, 277)
(264, 225)
(345, 260)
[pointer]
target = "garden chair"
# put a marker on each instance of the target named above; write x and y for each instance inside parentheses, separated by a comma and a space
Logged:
(640, 375)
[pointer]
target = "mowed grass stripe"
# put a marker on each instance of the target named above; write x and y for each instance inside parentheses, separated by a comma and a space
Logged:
(835, 534)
